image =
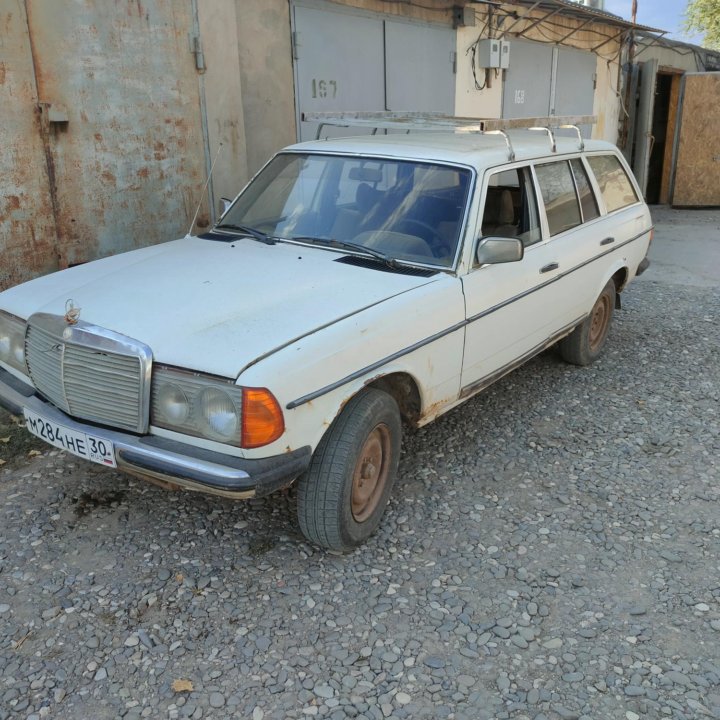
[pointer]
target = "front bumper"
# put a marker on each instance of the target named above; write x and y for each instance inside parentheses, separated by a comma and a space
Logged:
(168, 461)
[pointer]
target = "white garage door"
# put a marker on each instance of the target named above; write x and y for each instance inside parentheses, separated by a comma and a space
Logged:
(350, 60)
(548, 80)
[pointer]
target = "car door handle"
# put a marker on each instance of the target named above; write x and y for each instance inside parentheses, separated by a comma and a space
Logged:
(548, 268)
(607, 241)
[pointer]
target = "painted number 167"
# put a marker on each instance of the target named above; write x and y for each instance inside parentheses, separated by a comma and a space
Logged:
(324, 88)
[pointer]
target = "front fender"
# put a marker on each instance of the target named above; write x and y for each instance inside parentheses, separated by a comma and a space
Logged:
(419, 333)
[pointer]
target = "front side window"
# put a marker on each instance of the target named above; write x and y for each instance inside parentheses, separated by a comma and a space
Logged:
(411, 211)
(511, 207)
(615, 186)
(558, 192)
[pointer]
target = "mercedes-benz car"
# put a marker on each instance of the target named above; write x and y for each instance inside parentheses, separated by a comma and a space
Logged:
(355, 287)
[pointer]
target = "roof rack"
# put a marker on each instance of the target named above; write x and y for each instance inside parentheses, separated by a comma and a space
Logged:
(408, 121)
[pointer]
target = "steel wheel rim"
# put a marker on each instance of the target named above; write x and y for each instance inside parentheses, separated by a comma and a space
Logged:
(371, 473)
(599, 322)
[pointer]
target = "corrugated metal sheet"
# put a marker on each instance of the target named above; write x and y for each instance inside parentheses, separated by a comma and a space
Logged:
(126, 169)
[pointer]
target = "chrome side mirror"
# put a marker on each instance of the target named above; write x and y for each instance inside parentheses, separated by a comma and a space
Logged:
(224, 205)
(494, 250)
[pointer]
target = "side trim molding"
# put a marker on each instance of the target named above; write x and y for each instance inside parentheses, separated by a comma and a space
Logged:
(458, 326)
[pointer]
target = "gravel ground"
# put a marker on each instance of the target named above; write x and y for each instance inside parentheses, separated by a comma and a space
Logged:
(552, 550)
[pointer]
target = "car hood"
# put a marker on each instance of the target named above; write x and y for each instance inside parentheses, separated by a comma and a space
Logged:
(212, 306)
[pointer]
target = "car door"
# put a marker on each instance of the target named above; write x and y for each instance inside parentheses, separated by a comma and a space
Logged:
(509, 310)
(592, 218)
(572, 220)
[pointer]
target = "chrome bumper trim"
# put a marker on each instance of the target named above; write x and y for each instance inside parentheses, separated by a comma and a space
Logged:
(174, 462)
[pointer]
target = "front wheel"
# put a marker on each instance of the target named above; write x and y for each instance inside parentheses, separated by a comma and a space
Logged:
(343, 495)
(585, 343)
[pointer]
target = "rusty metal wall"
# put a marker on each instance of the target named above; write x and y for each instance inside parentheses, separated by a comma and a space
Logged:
(27, 228)
(127, 166)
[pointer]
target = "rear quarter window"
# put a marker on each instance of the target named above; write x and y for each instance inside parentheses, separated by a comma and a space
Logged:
(615, 186)
(559, 196)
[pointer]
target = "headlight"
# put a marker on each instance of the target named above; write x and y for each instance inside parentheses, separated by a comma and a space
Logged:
(172, 403)
(216, 409)
(12, 341)
(219, 414)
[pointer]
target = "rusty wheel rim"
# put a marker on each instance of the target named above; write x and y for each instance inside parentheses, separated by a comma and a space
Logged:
(599, 322)
(371, 473)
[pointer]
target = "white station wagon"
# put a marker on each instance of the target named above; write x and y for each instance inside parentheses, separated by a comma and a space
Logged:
(355, 285)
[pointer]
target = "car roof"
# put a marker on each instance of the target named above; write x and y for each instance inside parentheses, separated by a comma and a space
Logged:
(475, 149)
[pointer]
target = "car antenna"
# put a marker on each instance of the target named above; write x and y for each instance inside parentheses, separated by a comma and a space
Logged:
(202, 195)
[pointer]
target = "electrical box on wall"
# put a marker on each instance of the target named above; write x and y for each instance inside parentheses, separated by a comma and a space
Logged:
(493, 53)
(488, 53)
(504, 54)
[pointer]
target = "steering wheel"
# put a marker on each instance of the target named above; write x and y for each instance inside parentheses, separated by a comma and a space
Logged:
(438, 244)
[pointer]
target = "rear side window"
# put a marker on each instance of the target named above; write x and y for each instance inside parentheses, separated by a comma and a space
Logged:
(588, 203)
(558, 192)
(615, 185)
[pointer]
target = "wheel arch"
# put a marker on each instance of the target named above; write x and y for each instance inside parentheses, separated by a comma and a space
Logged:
(404, 389)
(620, 278)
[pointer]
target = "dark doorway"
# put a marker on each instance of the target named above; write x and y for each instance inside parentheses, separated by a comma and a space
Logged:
(661, 115)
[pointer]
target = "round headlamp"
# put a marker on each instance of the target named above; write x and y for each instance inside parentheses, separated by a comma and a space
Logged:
(173, 403)
(218, 413)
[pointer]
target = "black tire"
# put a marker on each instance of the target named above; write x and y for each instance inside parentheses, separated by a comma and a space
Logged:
(586, 342)
(332, 508)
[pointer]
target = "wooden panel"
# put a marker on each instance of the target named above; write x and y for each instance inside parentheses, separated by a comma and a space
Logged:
(697, 172)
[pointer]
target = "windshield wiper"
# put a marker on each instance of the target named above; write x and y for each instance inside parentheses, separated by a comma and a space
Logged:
(247, 230)
(347, 245)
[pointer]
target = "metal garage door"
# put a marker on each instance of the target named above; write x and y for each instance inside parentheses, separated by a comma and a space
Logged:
(526, 91)
(99, 124)
(338, 64)
(354, 60)
(575, 78)
(420, 67)
(548, 80)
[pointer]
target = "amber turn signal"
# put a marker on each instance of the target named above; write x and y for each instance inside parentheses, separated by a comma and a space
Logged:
(262, 418)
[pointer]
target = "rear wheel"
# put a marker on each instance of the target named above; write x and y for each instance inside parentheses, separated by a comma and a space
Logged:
(343, 495)
(585, 344)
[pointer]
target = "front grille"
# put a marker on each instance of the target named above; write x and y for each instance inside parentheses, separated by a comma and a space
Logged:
(43, 353)
(88, 372)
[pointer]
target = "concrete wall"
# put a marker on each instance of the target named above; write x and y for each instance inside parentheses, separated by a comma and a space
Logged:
(469, 101)
(221, 85)
(266, 74)
(677, 58)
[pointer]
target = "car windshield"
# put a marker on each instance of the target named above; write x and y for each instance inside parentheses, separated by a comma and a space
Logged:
(408, 211)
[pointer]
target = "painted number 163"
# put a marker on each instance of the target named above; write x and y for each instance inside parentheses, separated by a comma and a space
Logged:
(324, 88)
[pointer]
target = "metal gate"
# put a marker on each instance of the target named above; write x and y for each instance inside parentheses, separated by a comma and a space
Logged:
(643, 122)
(353, 60)
(101, 130)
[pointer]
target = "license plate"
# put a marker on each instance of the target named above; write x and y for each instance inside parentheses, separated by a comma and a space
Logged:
(82, 444)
